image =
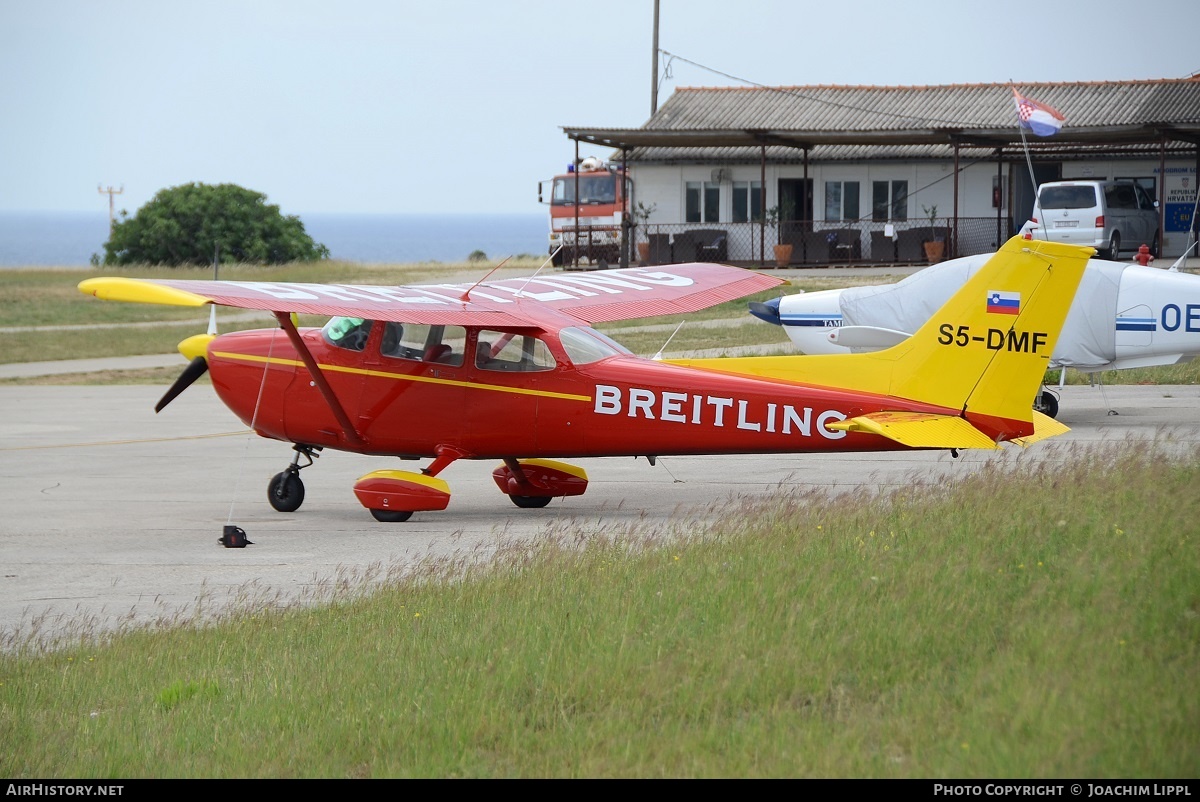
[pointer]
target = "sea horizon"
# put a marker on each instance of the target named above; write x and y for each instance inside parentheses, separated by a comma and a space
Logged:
(68, 239)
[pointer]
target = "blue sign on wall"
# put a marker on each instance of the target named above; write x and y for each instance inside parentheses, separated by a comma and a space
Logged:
(1178, 217)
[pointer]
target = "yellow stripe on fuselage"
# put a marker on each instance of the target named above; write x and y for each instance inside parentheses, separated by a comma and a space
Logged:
(498, 388)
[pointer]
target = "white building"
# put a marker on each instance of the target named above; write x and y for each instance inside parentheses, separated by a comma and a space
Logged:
(867, 173)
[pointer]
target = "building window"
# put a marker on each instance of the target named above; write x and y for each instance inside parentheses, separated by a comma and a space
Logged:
(841, 200)
(702, 202)
(889, 200)
(747, 201)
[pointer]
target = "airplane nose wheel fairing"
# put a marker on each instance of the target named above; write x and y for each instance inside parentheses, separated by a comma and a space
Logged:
(532, 483)
(393, 496)
(285, 491)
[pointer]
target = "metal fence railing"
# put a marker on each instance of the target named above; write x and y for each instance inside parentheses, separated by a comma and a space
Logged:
(817, 242)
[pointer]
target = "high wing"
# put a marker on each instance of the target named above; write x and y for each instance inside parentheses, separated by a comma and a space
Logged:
(594, 297)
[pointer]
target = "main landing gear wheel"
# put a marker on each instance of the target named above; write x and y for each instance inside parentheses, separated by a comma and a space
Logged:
(391, 516)
(1047, 404)
(286, 491)
(530, 502)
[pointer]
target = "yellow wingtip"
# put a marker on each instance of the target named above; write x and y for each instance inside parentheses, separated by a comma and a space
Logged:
(141, 291)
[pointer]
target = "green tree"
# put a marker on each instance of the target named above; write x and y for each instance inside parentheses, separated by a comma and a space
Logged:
(185, 225)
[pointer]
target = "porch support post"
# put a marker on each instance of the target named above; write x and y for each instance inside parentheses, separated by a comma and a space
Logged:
(954, 235)
(762, 205)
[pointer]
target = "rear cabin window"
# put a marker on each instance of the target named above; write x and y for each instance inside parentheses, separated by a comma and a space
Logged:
(441, 345)
(1068, 197)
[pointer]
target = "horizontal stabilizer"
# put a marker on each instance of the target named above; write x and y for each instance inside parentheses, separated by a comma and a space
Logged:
(919, 429)
(867, 337)
(1043, 426)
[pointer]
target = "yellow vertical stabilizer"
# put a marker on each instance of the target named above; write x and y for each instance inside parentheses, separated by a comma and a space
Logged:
(985, 351)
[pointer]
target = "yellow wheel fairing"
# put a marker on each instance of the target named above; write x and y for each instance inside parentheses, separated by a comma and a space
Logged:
(570, 470)
(431, 482)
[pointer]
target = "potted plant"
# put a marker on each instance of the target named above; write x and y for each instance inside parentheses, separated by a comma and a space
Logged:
(935, 246)
(641, 214)
(776, 215)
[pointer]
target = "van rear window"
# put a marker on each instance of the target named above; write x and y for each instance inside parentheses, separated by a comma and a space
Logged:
(1083, 197)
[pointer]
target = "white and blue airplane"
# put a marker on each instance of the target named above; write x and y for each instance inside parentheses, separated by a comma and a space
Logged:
(1124, 316)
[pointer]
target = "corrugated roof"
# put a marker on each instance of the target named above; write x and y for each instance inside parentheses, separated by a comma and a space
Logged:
(732, 123)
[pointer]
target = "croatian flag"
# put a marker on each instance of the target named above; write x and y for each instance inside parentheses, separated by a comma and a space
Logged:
(1043, 120)
(1004, 303)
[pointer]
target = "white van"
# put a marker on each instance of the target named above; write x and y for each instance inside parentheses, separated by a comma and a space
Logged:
(1110, 216)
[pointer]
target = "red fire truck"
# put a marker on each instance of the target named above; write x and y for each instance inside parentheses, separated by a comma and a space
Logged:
(591, 228)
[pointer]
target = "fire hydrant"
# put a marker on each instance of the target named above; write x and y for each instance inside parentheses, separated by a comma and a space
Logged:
(1143, 257)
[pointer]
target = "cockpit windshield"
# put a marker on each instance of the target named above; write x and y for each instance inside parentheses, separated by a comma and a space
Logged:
(347, 332)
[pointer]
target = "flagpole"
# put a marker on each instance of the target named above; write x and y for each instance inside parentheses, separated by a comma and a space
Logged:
(1028, 160)
(1024, 141)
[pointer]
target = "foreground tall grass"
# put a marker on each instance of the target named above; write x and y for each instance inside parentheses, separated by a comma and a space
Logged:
(1028, 621)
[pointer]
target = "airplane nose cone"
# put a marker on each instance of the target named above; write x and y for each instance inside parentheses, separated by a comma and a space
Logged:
(766, 310)
(196, 345)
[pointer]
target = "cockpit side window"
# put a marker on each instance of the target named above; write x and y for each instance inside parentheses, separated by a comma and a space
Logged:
(350, 333)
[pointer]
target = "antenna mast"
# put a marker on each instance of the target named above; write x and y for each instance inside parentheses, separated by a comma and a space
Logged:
(110, 192)
(654, 65)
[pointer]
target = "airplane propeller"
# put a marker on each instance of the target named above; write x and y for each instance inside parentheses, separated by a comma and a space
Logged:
(194, 348)
(768, 311)
(195, 369)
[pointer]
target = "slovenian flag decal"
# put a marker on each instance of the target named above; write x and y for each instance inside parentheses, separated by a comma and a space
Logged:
(1004, 303)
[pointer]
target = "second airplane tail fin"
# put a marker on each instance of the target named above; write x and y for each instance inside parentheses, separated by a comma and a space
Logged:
(981, 357)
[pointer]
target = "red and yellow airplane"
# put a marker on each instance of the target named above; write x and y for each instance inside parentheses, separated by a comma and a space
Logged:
(512, 370)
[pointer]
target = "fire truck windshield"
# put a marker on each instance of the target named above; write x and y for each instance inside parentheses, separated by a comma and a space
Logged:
(592, 189)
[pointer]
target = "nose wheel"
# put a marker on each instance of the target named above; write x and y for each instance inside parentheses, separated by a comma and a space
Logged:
(285, 491)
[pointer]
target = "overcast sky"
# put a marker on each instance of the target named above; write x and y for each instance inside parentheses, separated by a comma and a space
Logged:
(449, 105)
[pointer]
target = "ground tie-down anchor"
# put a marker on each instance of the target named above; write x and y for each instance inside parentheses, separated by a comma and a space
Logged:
(234, 538)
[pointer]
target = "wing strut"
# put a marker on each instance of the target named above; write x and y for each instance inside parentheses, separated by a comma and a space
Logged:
(335, 406)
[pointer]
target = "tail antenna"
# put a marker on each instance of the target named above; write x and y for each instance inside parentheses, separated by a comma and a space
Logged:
(466, 296)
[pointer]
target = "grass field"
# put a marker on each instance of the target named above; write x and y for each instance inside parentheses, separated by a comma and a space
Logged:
(1022, 622)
